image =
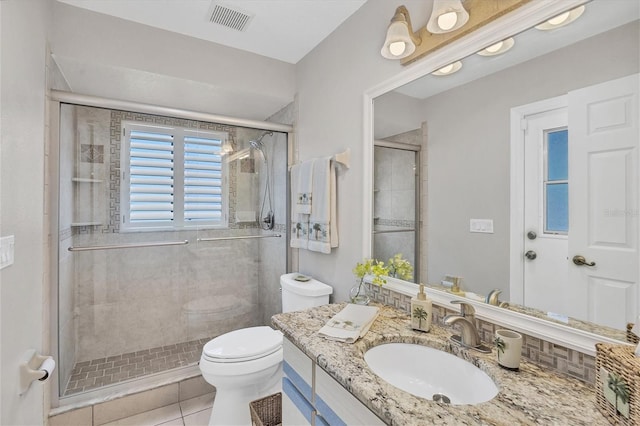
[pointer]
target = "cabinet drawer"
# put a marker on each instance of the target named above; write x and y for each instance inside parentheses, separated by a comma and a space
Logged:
(298, 368)
(337, 406)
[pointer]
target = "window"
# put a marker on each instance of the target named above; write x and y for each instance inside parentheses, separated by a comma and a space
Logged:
(172, 178)
(556, 183)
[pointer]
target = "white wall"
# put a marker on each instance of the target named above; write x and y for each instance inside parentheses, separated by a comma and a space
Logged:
(331, 82)
(110, 57)
(23, 33)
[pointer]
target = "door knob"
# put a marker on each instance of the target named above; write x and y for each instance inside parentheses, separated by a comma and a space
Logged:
(581, 261)
(530, 255)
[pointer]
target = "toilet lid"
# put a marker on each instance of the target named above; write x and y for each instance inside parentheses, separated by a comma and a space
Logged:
(243, 345)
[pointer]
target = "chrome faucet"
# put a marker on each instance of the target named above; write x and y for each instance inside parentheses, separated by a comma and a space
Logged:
(469, 336)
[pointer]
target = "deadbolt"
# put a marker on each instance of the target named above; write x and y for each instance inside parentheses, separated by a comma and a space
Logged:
(532, 235)
(530, 255)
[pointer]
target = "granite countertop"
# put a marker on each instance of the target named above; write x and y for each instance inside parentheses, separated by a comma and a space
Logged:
(531, 396)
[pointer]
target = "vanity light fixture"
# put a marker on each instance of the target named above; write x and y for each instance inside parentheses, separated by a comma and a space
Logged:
(497, 48)
(561, 20)
(448, 69)
(447, 16)
(400, 41)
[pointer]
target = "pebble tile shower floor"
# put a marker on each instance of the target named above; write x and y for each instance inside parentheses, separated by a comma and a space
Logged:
(100, 372)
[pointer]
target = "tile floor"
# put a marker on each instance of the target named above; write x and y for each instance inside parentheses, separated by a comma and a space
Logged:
(118, 368)
(191, 412)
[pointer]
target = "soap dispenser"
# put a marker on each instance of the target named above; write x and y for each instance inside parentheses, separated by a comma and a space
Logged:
(421, 311)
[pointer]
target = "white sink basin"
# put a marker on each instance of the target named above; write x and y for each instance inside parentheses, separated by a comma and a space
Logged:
(430, 373)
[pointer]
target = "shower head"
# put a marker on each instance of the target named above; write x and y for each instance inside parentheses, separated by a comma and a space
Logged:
(257, 143)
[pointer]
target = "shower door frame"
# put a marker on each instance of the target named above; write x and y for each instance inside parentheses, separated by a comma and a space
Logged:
(418, 249)
(58, 98)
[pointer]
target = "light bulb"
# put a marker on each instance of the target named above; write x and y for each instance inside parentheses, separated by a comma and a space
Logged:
(397, 48)
(495, 47)
(557, 20)
(446, 69)
(448, 20)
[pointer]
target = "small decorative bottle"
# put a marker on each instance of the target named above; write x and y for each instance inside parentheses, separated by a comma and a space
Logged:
(421, 311)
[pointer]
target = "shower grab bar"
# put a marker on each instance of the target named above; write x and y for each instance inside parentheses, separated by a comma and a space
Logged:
(393, 231)
(245, 237)
(135, 245)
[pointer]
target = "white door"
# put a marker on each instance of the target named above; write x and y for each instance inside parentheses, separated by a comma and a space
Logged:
(604, 202)
(546, 217)
(581, 195)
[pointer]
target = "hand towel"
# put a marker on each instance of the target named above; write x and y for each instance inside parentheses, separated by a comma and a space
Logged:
(350, 323)
(304, 196)
(323, 230)
(299, 222)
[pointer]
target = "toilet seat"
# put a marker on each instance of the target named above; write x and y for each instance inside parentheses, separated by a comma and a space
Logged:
(243, 345)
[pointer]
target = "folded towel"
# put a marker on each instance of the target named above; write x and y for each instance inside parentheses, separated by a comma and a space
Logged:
(350, 323)
(299, 222)
(323, 230)
(304, 194)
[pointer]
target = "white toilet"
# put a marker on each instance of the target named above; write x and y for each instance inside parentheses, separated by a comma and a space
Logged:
(246, 364)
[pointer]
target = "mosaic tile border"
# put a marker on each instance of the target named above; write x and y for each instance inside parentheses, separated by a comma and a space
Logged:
(563, 360)
(100, 372)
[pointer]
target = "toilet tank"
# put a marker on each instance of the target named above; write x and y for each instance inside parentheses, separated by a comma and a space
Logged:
(299, 295)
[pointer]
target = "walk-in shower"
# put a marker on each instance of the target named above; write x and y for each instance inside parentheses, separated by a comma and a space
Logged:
(165, 240)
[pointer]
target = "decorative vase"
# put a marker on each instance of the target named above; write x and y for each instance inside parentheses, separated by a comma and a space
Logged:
(360, 294)
(509, 345)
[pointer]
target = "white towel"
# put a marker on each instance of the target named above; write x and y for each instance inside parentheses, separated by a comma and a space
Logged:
(350, 323)
(304, 196)
(323, 230)
(299, 222)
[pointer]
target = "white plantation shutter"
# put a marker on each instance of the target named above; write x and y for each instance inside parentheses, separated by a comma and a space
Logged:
(202, 178)
(151, 177)
(172, 177)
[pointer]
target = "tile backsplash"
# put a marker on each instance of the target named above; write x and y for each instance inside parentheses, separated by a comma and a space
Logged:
(563, 360)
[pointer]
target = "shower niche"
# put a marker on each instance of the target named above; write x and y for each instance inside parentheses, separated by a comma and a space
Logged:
(88, 157)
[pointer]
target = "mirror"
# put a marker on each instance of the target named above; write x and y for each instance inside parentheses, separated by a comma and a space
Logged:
(468, 120)
(396, 200)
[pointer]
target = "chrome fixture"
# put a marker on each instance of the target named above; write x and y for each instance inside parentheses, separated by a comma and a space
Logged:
(469, 337)
(266, 210)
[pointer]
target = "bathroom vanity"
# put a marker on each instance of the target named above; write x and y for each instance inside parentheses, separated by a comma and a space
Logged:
(337, 386)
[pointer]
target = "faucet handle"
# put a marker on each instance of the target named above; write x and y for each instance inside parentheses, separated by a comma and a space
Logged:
(466, 309)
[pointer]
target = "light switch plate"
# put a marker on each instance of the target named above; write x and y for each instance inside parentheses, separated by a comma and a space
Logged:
(6, 251)
(484, 226)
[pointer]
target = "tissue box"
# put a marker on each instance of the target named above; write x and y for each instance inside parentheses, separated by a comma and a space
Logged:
(617, 382)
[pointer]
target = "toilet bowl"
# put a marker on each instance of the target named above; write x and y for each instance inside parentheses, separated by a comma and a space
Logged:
(241, 372)
(246, 364)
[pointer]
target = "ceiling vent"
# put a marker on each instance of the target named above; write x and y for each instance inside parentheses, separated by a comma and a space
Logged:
(230, 17)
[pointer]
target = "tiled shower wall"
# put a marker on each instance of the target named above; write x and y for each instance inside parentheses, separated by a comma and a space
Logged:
(546, 354)
(121, 301)
(394, 186)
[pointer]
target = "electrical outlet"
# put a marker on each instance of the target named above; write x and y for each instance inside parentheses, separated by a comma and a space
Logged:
(484, 226)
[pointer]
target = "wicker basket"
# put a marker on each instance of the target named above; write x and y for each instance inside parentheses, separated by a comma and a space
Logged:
(631, 336)
(617, 383)
(267, 411)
